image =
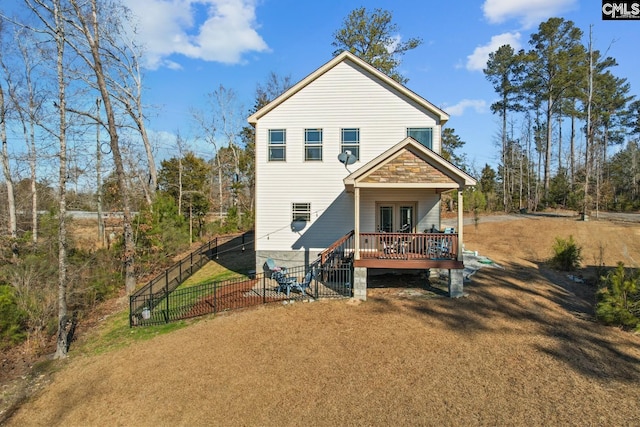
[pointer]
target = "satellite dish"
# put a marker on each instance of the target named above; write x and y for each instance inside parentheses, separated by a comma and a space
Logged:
(298, 224)
(347, 158)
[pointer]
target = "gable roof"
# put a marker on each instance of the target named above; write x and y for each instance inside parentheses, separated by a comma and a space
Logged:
(409, 164)
(348, 56)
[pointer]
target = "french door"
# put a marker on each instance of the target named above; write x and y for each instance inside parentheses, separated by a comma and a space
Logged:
(392, 217)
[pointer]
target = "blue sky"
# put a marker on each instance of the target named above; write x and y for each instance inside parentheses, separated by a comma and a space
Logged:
(194, 46)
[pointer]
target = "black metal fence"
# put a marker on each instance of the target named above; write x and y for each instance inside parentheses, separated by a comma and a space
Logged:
(214, 297)
(156, 290)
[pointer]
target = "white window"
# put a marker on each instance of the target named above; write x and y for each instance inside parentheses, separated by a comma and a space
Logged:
(313, 144)
(277, 145)
(350, 141)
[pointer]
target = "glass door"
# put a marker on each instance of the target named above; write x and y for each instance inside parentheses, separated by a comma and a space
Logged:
(395, 217)
(406, 218)
(385, 219)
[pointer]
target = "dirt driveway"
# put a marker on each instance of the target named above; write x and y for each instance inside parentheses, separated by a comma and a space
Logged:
(521, 349)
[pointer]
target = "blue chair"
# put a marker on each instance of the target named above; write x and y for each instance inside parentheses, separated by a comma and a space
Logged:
(271, 267)
(285, 284)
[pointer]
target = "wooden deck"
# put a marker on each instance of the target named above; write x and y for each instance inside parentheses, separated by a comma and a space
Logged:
(397, 251)
(413, 264)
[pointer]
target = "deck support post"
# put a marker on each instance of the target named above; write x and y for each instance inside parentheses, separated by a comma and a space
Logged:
(460, 225)
(456, 283)
(360, 283)
(356, 221)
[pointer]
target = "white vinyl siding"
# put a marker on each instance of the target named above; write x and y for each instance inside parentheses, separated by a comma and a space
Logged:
(344, 97)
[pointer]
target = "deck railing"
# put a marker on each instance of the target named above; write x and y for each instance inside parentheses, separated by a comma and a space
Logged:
(409, 246)
(341, 249)
(400, 246)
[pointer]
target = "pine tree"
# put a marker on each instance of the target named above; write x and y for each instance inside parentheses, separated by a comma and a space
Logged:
(373, 37)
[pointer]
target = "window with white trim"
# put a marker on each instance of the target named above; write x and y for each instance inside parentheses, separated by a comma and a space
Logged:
(350, 141)
(313, 144)
(423, 135)
(277, 145)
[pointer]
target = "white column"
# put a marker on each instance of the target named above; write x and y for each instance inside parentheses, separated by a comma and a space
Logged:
(460, 224)
(356, 222)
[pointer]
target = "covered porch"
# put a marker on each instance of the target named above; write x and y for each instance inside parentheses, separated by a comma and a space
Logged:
(396, 204)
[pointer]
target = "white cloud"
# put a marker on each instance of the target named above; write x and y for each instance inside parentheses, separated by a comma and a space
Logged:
(479, 105)
(477, 61)
(210, 30)
(529, 12)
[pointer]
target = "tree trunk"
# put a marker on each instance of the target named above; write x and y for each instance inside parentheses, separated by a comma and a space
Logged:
(153, 173)
(101, 230)
(547, 153)
(62, 346)
(6, 168)
(504, 157)
(585, 209)
(572, 150)
(34, 185)
(560, 140)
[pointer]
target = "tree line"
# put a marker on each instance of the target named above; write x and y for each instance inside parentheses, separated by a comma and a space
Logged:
(548, 96)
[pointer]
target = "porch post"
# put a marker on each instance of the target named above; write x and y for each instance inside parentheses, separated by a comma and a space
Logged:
(356, 228)
(460, 224)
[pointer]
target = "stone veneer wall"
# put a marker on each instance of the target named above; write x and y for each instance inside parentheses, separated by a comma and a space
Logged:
(407, 168)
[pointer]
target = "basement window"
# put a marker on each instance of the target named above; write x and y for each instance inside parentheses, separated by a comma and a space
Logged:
(301, 212)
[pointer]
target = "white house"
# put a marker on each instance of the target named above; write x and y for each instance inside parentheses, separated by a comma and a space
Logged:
(350, 153)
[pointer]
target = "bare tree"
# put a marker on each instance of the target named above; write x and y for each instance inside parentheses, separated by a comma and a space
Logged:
(126, 87)
(27, 103)
(6, 167)
(208, 131)
(90, 20)
(51, 15)
(229, 111)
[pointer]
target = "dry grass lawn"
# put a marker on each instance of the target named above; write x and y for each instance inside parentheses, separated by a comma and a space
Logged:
(521, 349)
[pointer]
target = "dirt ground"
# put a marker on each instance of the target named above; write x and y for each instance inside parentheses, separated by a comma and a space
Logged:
(521, 349)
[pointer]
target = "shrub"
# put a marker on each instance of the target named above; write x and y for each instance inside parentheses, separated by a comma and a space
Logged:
(618, 298)
(11, 318)
(567, 255)
(34, 283)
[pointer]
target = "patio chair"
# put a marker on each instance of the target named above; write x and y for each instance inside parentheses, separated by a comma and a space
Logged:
(285, 284)
(439, 247)
(445, 246)
(389, 247)
(306, 282)
(271, 267)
